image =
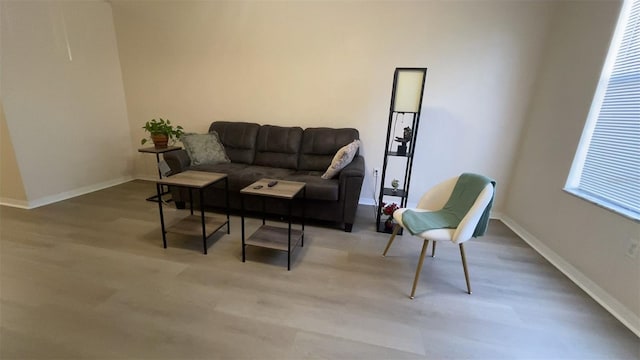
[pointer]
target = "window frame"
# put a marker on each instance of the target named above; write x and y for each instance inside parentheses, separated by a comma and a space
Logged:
(572, 185)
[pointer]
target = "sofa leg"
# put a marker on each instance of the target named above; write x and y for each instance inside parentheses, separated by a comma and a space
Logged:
(348, 227)
(180, 204)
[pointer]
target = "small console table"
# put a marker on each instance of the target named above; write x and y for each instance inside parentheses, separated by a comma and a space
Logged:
(158, 151)
(193, 224)
(273, 237)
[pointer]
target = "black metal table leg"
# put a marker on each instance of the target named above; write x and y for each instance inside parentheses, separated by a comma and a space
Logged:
(226, 192)
(263, 210)
(164, 234)
(242, 222)
(158, 197)
(191, 200)
(304, 200)
(204, 233)
(289, 240)
(155, 197)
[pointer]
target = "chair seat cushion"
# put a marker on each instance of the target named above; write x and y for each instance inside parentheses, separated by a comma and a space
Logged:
(433, 235)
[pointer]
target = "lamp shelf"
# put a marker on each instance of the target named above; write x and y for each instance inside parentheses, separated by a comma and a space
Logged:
(395, 153)
(402, 130)
(398, 193)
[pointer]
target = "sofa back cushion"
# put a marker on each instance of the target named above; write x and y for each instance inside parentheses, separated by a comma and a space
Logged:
(238, 138)
(319, 146)
(278, 146)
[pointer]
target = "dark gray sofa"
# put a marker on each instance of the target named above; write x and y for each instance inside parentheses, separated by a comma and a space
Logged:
(285, 153)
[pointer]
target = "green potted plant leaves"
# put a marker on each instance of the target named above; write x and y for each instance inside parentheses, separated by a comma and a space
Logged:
(161, 131)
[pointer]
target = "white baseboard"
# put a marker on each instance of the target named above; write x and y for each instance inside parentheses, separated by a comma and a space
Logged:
(147, 178)
(366, 201)
(617, 309)
(22, 204)
(46, 200)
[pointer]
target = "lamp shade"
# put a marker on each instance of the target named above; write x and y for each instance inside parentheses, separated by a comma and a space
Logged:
(408, 90)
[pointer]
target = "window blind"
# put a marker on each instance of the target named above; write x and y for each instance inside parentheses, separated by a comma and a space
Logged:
(610, 172)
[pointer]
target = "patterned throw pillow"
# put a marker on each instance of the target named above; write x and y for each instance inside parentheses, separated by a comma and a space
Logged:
(204, 148)
(343, 157)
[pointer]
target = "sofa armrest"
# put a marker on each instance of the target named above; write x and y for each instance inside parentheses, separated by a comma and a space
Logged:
(351, 179)
(355, 168)
(178, 160)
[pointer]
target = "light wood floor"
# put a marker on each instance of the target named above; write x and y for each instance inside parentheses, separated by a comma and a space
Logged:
(88, 278)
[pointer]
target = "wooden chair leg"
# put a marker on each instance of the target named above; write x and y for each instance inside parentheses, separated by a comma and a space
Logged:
(433, 249)
(464, 265)
(425, 245)
(396, 228)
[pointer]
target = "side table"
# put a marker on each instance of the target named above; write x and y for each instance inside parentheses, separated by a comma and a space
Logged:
(273, 237)
(193, 224)
(154, 150)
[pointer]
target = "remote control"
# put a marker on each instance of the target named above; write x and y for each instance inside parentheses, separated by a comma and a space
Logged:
(272, 183)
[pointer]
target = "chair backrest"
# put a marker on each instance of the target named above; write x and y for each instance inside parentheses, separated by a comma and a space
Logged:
(436, 197)
(468, 224)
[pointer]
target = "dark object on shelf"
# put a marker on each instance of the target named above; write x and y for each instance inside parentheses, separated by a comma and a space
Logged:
(407, 134)
(272, 183)
(402, 149)
(406, 102)
(388, 225)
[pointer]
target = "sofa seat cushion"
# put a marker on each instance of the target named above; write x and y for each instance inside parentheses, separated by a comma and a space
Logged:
(317, 188)
(223, 168)
(252, 173)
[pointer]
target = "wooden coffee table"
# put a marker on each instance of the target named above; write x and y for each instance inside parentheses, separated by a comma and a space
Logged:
(193, 224)
(273, 237)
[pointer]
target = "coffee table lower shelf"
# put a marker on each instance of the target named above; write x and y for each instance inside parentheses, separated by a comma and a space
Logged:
(274, 237)
(192, 225)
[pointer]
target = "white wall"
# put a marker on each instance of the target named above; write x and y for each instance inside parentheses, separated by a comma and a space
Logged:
(588, 242)
(63, 97)
(11, 186)
(331, 64)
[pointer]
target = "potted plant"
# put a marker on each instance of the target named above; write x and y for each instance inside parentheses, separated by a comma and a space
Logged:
(388, 209)
(161, 131)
